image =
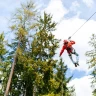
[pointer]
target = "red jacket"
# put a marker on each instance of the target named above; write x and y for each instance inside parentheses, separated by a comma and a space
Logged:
(68, 47)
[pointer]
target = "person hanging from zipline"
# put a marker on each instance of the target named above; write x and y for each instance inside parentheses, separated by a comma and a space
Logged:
(68, 45)
(70, 50)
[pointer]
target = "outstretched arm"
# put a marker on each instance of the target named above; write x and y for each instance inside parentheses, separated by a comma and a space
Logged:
(62, 50)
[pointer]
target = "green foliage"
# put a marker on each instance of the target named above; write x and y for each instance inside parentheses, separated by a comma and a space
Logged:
(2, 48)
(62, 89)
(35, 47)
(4, 63)
(94, 92)
(44, 46)
(92, 53)
(92, 59)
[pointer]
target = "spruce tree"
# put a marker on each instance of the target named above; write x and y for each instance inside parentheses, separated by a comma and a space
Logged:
(92, 60)
(63, 89)
(4, 64)
(34, 47)
(44, 46)
(23, 26)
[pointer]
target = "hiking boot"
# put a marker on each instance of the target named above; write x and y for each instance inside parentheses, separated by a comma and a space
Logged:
(75, 64)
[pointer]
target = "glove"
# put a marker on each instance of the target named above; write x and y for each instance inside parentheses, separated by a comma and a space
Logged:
(69, 38)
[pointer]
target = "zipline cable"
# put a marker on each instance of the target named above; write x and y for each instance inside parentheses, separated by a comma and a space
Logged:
(82, 25)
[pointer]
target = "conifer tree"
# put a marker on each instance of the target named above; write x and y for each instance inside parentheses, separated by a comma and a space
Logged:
(4, 63)
(34, 47)
(63, 89)
(44, 46)
(92, 60)
(23, 26)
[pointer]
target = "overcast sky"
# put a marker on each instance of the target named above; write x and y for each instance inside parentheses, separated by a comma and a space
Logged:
(70, 15)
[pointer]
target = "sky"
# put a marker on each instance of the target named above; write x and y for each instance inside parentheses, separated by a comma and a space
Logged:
(70, 15)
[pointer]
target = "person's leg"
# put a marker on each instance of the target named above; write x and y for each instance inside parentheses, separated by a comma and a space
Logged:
(77, 55)
(70, 56)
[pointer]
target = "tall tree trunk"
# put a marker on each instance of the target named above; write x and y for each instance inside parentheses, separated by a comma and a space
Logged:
(11, 73)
